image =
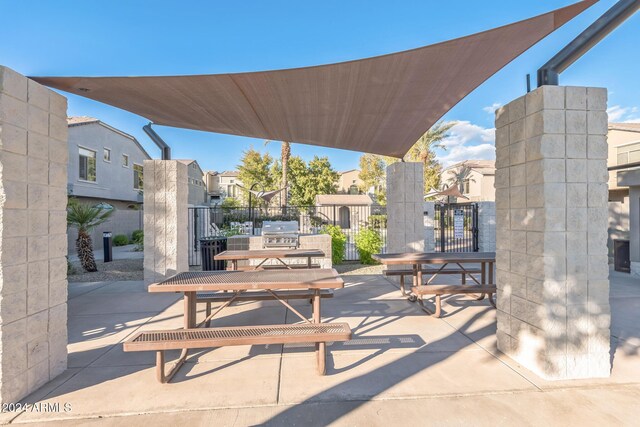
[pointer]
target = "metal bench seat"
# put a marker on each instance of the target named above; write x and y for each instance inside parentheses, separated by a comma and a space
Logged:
(439, 290)
(183, 339)
(211, 297)
(409, 272)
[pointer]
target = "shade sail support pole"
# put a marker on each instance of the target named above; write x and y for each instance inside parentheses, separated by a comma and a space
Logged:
(549, 73)
(164, 147)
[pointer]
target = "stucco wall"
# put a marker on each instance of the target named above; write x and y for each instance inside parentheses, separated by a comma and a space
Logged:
(113, 180)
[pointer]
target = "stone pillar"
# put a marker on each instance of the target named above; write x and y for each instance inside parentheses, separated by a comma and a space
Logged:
(429, 226)
(33, 239)
(166, 216)
(487, 226)
(551, 198)
(405, 222)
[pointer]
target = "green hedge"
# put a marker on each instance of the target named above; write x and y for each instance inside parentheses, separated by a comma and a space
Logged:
(338, 242)
(120, 240)
(368, 242)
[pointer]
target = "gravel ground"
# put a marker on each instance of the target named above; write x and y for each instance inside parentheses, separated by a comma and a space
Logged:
(358, 269)
(120, 269)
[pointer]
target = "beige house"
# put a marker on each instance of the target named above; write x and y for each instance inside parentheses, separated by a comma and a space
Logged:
(476, 178)
(624, 190)
(349, 182)
(221, 185)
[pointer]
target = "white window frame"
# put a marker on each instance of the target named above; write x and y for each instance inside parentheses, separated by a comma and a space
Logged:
(80, 147)
(128, 165)
(103, 153)
(134, 174)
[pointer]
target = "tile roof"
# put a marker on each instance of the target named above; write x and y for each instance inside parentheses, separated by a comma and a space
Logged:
(629, 127)
(81, 120)
(343, 199)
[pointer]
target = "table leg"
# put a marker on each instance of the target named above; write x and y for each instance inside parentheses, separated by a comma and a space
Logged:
(419, 274)
(483, 278)
(234, 264)
(320, 346)
(492, 298)
(189, 322)
(308, 262)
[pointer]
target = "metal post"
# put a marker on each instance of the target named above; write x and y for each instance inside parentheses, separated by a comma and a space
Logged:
(107, 246)
(549, 73)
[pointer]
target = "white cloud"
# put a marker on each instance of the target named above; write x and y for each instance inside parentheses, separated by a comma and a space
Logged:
(618, 113)
(469, 152)
(468, 141)
(466, 132)
(491, 109)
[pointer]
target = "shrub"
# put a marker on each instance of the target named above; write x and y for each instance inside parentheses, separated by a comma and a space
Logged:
(368, 242)
(378, 221)
(137, 236)
(338, 242)
(120, 240)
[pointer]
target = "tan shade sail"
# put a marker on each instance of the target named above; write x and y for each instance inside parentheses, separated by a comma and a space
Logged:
(379, 105)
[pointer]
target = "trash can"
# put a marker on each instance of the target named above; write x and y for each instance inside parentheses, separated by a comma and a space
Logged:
(210, 247)
(621, 255)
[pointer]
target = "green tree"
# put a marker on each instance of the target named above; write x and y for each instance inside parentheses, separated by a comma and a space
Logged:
(85, 218)
(423, 152)
(255, 168)
(307, 181)
(373, 173)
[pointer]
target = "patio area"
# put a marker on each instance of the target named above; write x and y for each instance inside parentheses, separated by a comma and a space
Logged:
(400, 366)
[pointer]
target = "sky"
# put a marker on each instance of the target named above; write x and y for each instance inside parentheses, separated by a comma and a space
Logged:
(139, 38)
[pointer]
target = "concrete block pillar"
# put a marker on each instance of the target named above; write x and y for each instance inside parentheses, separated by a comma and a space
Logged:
(429, 226)
(166, 216)
(33, 235)
(551, 199)
(405, 213)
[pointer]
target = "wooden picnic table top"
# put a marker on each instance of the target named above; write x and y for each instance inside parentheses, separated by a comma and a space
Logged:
(412, 258)
(269, 253)
(195, 281)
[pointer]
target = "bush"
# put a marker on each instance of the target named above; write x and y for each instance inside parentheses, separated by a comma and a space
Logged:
(137, 236)
(120, 240)
(368, 242)
(378, 221)
(338, 242)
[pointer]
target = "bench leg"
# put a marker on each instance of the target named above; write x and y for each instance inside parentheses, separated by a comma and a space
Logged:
(464, 279)
(438, 304)
(321, 348)
(402, 285)
(208, 313)
(492, 300)
(160, 374)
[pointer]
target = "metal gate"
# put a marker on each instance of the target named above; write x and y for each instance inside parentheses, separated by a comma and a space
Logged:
(456, 227)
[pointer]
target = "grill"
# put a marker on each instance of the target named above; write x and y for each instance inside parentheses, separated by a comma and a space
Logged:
(280, 234)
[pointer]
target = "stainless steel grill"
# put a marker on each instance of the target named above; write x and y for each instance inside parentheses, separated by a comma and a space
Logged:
(280, 234)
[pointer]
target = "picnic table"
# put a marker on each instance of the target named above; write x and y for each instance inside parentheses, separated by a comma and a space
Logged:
(484, 286)
(277, 283)
(267, 254)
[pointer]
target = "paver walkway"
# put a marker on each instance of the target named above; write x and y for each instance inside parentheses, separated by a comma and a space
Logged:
(401, 367)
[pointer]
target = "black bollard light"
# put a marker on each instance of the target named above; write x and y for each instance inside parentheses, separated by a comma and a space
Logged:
(107, 245)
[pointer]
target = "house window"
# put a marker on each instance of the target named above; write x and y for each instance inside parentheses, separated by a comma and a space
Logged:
(87, 165)
(137, 176)
(465, 186)
(634, 156)
(125, 160)
(106, 155)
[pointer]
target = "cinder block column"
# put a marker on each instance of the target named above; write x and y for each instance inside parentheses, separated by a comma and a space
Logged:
(405, 222)
(33, 239)
(487, 226)
(551, 199)
(429, 224)
(165, 219)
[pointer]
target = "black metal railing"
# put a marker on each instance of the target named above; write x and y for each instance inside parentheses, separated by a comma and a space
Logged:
(456, 227)
(217, 220)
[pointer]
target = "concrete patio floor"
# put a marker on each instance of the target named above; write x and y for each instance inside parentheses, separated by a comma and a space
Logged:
(402, 366)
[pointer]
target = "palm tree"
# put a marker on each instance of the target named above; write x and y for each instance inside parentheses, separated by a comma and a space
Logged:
(85, 218)
(459, 176)
(285, 155)
(422, 151)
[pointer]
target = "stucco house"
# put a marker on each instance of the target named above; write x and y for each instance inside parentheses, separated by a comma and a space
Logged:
(476, 176)
(221, 185)
(349, 182)
(197, 187)
(106, 167)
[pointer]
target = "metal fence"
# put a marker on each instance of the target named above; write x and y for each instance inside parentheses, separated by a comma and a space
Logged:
(456, 227)
(216, 220)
